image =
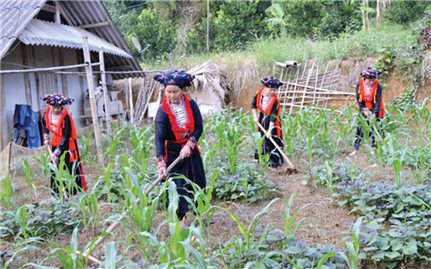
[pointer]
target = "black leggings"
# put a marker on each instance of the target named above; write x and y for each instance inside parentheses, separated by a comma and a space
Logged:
(360, 134)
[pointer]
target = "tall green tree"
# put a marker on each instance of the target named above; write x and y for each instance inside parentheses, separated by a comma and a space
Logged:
(405, 12)
(313, 19)
(233, 24)
(156, 37)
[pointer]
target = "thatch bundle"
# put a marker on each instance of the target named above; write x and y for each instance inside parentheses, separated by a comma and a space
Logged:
(210, 87)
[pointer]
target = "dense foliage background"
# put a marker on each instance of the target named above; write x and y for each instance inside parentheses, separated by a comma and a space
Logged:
(179, 28)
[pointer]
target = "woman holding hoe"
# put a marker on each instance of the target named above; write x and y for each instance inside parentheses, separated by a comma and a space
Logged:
(369, 99)
(179, 126)
(58, 121)
(265, 107)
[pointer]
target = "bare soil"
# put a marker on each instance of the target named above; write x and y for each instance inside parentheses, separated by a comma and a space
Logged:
(323, 221)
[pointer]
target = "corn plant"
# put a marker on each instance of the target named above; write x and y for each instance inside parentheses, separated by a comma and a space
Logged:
(242, 249)
(115, 143)
(290, 224)
(173, 251)
(84, 143)
(89, 207)
(111, 255)
(262, 157)
(201, 203)
(352, 258)
(26, 172)
(229, 135)
(141, 141)
(67, 257)
(43, 162)
(7, 192)
(344, 127)
(320, 264)
(63, 179)
(289, 126)
(23, 222)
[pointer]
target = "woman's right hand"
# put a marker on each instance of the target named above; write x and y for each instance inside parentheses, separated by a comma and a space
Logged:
(162, 173)
(161, 165)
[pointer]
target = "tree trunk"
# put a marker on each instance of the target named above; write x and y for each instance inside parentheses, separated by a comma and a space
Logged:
(378, 13)
(365, 19)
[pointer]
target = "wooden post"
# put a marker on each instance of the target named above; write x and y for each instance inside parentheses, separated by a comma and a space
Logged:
(147, 102)
(90, 85)
(131, 101)
(105, 90)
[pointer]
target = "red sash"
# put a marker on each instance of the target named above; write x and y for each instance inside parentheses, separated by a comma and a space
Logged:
(268, 110)
(57, 130)
(370, 98)
(181, 134)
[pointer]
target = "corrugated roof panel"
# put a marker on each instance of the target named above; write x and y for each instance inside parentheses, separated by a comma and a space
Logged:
(91, 12)
(44, 33)
(14, 16)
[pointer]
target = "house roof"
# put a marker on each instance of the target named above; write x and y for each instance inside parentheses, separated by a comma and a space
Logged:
(14, 17)
(16, 22)
(52, 34)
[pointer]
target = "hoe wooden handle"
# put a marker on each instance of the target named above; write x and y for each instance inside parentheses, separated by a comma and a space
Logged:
(276, 146)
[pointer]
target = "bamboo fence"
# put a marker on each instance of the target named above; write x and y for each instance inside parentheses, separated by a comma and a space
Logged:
(310, 84)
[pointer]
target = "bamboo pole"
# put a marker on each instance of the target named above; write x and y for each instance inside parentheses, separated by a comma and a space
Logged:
(333, 80)
(46, 69)
(291, 166)
(306, 84)
(320, 89)
(328, 93)
(315, 85)
(105, 90)
(305, 68)
(324, 76)
(313, 107)
(319, 98)
(132, 117)
(90, 85)
(294, 89)
(108, 231)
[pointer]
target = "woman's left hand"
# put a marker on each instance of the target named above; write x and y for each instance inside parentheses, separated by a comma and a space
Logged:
(185, 152)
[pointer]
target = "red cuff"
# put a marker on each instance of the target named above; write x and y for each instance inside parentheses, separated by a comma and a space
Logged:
(191, 144)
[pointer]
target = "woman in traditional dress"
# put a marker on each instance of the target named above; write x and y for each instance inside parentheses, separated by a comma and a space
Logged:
(179, 126)
(371, 107)
(59, 123)
(265, 107)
